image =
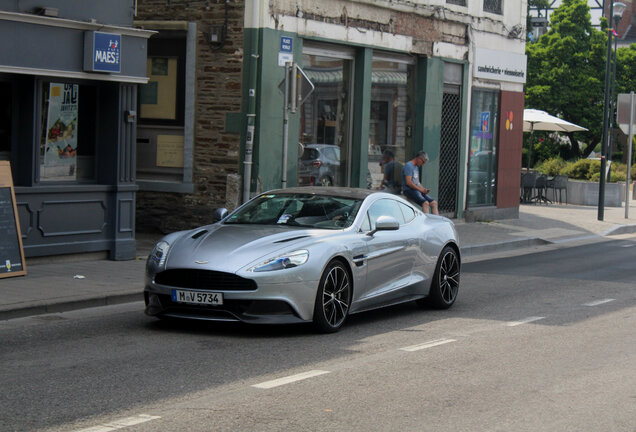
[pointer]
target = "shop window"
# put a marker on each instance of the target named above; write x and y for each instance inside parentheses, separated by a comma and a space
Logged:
(390, 121)
(67, 132)
(164, 134)
(493, 6)
(324, 121)
(457, 2)
(5, 120)
(482, 161)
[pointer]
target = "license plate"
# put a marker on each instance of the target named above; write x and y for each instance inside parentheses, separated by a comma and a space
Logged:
(197, 297)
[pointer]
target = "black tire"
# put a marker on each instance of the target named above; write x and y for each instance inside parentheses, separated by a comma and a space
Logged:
(445, 284)
(333, 298)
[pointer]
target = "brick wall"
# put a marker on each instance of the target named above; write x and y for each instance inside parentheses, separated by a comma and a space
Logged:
(218, 92)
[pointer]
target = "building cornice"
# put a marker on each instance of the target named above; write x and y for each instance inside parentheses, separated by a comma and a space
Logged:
(73, 24)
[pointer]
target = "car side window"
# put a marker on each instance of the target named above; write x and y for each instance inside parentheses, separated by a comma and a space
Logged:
(409, 213)
(385, 207)
(365, 226)
(329, 153)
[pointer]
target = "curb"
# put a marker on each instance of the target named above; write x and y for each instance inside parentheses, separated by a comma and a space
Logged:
(620, 229)
(65, 306)
(469, 251)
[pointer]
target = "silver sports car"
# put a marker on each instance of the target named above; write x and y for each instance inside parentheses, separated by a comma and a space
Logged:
(311, 254)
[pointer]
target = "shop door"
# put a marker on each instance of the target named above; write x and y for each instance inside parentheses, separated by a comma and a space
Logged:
(325, 119)
(449, 150)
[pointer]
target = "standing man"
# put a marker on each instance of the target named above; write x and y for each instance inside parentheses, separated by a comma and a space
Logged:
(411, 187)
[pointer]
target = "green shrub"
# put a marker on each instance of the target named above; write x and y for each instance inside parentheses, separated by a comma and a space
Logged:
(551, 167)
(582, 169)
(614, 176)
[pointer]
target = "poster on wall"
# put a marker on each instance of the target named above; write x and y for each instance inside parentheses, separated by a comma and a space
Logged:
(60, 148)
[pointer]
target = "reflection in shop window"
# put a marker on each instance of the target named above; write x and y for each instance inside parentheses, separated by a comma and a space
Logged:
(324, 120)
(5, 120)
(482, 161)
(391, 114)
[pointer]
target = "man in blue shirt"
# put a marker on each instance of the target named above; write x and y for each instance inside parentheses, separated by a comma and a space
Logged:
(411, 187)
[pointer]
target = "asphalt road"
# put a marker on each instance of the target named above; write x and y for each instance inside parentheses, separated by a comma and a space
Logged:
(543, 341)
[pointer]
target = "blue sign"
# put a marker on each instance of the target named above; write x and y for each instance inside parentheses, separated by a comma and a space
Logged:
(102, 52)
(485, 121)
(286, 44)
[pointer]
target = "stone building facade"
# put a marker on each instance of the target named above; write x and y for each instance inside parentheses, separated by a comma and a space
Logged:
(443, 76)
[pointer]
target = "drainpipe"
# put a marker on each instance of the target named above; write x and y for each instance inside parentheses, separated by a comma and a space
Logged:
(253, 23)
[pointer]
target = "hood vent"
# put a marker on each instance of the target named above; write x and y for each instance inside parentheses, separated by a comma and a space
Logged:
(291, 239)
(199, 234)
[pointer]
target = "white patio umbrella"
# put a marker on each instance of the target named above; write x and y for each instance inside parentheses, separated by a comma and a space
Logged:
(540, 120)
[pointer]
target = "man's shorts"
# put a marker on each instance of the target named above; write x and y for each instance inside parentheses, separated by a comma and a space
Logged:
(417, 196)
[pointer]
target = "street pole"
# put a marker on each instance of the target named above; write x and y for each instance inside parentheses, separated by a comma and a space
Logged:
(630, 137)
(251, 104)
(612, 103)
(606, 106)
(283, 181)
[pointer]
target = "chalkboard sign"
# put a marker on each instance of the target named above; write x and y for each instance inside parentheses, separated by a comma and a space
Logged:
(11, 253)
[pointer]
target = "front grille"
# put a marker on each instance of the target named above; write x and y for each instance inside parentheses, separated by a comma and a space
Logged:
(204, 279)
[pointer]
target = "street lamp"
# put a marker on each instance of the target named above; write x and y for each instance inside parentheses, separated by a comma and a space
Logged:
(620, 8)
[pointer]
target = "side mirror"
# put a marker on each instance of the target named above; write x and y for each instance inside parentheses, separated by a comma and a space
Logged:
(219, 214)
(385, 223)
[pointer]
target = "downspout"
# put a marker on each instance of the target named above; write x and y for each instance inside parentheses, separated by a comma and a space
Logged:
(253, 23)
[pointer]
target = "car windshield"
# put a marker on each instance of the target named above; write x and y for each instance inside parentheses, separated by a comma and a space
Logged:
(305, 210)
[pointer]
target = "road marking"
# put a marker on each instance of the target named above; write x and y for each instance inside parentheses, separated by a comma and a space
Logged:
(121, 424)
(289, 379)
(524, 321)
(599, 302)
(425, 345)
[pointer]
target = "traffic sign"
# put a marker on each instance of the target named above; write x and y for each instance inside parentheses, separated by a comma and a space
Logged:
(625, 100)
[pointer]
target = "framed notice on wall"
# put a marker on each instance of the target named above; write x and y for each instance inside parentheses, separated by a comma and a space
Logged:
(11, 252)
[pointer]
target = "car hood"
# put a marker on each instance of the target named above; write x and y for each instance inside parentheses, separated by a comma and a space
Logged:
(230, 247)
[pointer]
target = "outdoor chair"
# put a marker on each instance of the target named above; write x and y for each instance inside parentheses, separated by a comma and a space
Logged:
(559, 184)
(540, 185)
(527, 186)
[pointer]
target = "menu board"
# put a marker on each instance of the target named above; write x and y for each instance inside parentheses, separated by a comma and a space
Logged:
(11, 253)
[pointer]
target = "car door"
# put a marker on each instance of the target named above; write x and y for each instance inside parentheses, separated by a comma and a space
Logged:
(389, 258)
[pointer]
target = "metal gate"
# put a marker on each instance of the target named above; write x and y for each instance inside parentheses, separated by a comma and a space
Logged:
(449, 150)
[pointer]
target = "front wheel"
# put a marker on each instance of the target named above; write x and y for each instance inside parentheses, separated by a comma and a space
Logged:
(333, 298)
(445, 284)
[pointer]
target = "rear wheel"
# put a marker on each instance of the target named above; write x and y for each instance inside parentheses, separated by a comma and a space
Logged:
(445, 283)
(333, 298)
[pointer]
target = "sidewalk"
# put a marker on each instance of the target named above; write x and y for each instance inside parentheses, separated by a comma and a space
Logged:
(68, 284)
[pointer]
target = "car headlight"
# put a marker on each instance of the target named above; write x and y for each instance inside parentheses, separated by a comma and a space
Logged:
(160, 252)
(288, 260)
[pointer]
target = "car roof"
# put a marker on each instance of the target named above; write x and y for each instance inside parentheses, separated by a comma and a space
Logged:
(342, 192)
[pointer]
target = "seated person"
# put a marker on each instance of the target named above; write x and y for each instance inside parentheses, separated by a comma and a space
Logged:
(411, 187)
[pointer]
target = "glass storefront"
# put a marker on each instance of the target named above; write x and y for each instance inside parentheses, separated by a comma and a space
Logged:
(482, 162)
(325, 121)
(391, 114)
(5, 120)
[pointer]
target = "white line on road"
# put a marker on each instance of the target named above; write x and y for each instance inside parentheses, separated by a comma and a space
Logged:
(120, 424)
(524, 321)
(429, 344)
(290, 379)
(598, 302)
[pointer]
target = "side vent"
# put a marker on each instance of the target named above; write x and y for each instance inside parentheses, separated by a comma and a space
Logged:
(199, 234)
(290, 239)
